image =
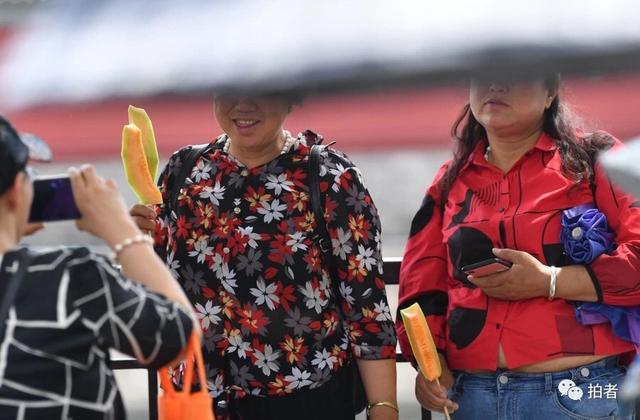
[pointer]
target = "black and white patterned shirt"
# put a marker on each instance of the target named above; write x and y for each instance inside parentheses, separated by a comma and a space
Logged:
(70, 309)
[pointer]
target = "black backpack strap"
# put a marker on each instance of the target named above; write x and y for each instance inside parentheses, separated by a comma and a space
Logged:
(321, 235)
(322, 238)
(192, 155)
(12, 276)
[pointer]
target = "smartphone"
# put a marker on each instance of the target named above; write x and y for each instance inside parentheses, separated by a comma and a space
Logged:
(487, 267)
(53, 200)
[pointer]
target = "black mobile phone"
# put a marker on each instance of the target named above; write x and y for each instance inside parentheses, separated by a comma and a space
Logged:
(487, 267)
(53, 200)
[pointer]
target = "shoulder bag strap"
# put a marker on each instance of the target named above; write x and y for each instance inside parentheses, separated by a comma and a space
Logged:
(321, 234)
(185, 169)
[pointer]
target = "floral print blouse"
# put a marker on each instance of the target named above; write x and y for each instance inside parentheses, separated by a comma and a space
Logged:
(240, 244)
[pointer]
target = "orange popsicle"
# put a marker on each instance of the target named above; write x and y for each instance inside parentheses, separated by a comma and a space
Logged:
(136, 167)
(422, 345)
(424, 349)
(139, 117)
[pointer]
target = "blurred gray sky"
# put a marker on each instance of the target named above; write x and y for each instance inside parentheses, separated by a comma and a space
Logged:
(89, 50)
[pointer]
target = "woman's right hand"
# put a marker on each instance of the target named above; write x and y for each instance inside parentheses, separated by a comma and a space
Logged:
(145, 217)
(432, 396)
(103, 211)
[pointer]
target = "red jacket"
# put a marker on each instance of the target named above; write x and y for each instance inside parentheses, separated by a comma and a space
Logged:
(519, 210)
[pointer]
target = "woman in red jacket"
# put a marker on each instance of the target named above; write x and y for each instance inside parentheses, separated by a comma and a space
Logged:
(510, 343)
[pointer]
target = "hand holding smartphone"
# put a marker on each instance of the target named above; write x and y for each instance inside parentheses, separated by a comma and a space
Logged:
(487, 267)
(53, 200)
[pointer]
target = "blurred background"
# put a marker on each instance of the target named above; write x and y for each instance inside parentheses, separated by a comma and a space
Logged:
(385, 82)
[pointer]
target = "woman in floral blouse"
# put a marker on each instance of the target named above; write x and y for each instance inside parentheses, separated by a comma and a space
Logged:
(279, 332)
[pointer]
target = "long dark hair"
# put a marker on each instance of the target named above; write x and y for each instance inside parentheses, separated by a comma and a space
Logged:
(577, 151)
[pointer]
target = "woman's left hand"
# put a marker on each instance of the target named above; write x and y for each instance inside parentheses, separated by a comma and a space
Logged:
(527, 278)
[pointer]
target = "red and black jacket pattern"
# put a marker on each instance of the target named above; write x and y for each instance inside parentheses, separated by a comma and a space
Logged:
(521, 210)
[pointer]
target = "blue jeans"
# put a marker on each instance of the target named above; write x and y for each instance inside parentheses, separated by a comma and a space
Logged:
(586, 392)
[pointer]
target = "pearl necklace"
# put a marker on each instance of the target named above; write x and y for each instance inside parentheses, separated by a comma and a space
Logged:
(285, 147)
(486, 153)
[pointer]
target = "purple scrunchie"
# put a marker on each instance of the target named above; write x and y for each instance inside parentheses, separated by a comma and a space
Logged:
(585, 233)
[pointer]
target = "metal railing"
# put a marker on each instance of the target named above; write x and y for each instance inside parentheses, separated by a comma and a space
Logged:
(152, 381)
(390, 276)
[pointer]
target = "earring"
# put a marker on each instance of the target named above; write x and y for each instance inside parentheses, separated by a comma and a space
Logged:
(550, 102)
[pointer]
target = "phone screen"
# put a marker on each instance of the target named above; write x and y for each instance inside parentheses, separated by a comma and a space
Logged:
(53, 200)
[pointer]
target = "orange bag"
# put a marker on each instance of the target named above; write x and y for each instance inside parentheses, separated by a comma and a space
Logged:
(184, 405)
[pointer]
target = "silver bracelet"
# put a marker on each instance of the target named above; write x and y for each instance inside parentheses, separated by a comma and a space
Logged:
(137, 239)
(552, 282)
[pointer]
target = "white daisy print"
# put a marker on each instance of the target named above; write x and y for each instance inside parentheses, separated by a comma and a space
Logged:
(341, 245)
(267, 360)
(296, 241)
(201, 250)
(272, 211)
(208, 314)
(323, 359)
(265, 294)
(214, 194)
(277, 183)
(298, 378)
